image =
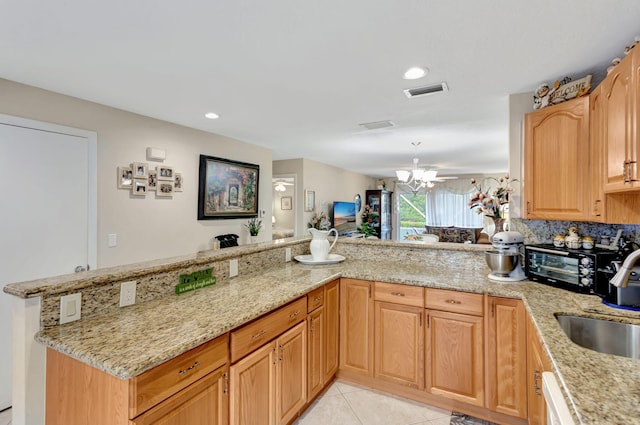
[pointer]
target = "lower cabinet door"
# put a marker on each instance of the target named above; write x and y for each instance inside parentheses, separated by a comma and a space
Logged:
(291, 373)
(204, 402)
(252, 388)
(455, 356)
(315, 352)
(399, 344)
(331, 340)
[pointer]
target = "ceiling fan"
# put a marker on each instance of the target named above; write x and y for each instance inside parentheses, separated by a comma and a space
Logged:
(279, 185)
(418, 178)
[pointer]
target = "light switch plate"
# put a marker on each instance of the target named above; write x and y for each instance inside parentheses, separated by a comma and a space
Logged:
(233, 267)
(127, 293)
(112, 240)
(287, 254)
(70, 307)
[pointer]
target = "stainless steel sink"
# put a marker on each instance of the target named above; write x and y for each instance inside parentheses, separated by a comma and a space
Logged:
(604, 336)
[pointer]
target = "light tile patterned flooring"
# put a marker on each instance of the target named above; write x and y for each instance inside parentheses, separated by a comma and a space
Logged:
(347, 404)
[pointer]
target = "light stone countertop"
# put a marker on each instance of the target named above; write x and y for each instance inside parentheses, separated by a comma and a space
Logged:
(601, 389)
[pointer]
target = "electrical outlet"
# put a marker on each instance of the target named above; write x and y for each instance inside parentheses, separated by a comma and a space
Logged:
(127, 293)
(287, 254)
(233, 267)
(70, 307)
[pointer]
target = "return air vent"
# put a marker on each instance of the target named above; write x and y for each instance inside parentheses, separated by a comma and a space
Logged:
(423, 91)
(376, 125)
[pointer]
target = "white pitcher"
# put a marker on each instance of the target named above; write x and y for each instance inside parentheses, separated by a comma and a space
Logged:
(320, 245)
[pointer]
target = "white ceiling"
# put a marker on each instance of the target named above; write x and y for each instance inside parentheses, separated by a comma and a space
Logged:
(298, 76)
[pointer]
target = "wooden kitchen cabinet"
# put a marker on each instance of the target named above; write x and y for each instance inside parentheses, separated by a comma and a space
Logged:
(537, 362)
(315, 360)
(399, 334)
(597, 207)
(507, 362)
(356, 326)
(331, 358)
(455, 349)
(190, 388)
(556, 185)
(269, 385)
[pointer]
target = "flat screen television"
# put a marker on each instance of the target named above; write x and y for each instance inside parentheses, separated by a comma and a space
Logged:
(344, 217)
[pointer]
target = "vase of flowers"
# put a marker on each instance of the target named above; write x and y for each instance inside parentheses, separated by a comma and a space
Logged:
(254, 225)
(491, 203)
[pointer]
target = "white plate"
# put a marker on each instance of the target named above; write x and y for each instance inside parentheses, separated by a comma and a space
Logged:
(308, 259)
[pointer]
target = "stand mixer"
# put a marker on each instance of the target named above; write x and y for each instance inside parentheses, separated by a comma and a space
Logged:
(505, 262)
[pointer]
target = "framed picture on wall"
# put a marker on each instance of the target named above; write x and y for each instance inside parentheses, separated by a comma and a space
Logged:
(286, 203)
(165, 172)
(152, 178)
(177, 184)
(165, 189)
(125, 177)
(139, 187)
(227, 189)
(140, 170)
(309, 200)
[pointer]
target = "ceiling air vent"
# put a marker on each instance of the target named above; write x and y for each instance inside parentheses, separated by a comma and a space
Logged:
(376, 125)
(423, 91)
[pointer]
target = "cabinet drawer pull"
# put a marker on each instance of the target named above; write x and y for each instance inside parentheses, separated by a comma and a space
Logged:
(293, 315)
(193, 366)
(398, 294)
(318, 298)
(258, 335)
(536, 379)
(453, 302)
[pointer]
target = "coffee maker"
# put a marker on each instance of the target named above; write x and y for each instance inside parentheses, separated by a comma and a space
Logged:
(505, 260)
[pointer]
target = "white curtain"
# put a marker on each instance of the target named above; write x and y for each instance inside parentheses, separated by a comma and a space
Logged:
(445, 208)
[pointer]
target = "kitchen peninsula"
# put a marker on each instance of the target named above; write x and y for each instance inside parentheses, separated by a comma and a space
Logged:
(126, 342)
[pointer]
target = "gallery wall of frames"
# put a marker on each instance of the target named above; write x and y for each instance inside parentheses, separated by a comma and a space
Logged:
(141, 179)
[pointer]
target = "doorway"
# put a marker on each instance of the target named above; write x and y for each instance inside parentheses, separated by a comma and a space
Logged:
(49, 223)
(283, 214)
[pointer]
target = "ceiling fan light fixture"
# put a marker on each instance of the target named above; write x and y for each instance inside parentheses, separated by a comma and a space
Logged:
(280, 187)
(212, 115)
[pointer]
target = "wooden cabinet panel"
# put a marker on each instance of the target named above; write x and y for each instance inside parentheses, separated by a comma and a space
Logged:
(597, 207)
(203, 403)
(557, 162)
(252, 383)
(331, 342)
(507, 357)
(291, 375)
(255, 334)
(157, 384)
(399, 294)
(315, 299)
(399, 344)
(455, 359)
(454, 301)
(315, 352)
(356, 326)
(537, 362)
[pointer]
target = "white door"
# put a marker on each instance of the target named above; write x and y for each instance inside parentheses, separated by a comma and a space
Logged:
(47, 213)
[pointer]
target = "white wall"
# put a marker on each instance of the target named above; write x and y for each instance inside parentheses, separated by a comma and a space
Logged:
(147, 228)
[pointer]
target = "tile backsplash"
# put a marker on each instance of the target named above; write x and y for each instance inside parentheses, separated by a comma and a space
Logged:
(543, 231)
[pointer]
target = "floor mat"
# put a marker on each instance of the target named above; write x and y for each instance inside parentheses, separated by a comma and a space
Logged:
(462, 419)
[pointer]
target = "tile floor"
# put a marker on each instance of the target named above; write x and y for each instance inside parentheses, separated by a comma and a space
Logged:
(5, 417)
(347, 404)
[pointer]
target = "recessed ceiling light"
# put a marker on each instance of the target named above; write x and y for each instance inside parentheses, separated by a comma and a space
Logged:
(415, 73)
(212, 115)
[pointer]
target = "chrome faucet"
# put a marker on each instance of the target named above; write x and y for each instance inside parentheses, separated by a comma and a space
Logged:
(621, 278)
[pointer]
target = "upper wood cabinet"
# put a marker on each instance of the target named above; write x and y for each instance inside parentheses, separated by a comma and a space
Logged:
(597, 209)
(621, 99)
(557, 162)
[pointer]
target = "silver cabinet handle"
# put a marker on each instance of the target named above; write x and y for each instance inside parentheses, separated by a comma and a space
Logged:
(193, 366)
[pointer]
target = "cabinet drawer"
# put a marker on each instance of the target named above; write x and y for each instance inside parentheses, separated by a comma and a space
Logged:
(315, 299)
(399, 294)
(161, 382)
(255, 334)
(454, 301)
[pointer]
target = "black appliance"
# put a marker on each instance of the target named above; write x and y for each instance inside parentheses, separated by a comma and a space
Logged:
(572, 269)
(227, 241)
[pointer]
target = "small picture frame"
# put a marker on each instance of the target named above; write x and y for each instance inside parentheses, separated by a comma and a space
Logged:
(177, 184)
(165, 189)
(125, 177)
(140, 170)
(152, 179)
(286, 203)
(309, 200)
(139, 187)
(165, 173)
